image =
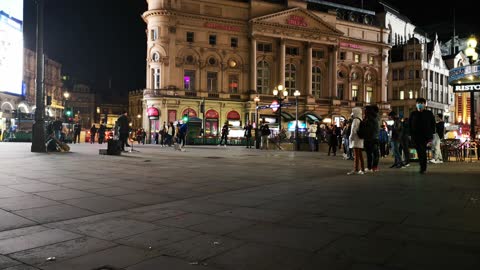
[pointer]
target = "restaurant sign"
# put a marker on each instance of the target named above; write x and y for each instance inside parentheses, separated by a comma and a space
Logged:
(153, 113)
(459, 88)
(297, 21)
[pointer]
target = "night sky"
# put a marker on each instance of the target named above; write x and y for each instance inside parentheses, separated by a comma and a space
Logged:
(96, 40)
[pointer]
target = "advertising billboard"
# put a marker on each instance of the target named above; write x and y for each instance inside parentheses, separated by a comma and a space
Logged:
(11, 46)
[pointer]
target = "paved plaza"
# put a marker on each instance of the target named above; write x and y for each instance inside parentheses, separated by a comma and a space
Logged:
(232, 208)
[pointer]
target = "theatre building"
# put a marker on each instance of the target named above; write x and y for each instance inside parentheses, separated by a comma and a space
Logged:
(227, 53)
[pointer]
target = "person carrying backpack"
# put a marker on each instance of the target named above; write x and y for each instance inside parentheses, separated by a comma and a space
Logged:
(264, 132)
(356, 143)
(224, 134)
(312, 135)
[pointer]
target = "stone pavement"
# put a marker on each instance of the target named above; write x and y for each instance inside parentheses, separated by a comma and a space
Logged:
(231, 208)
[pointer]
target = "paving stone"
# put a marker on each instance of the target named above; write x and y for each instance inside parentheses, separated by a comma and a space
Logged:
(200, 247)
(22, 267)
(6, 192)
(362, 249)
(255, 214)
(144, 198)
(164, 262)
(186, 220)
(302, 239)
(253, 256)
(157, 238)
(53, 213)
(37, 187)
(119, 257)
(156, 214)
(85, 185)
(321, 261)
(370, 214)
(10, 221)
(238, 200)
(101, 204)
(6, 262)
(198, 206)
(317, 222)
(22, 231)
(25, 202)
(222, 225)
(462, 222)
(34, 240)
(64, 194)
(434, 257)
(111, 229)
(61, 251)
(112, 191)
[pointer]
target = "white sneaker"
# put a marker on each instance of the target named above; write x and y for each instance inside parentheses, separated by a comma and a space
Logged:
(351, 172)
(367, 171)
(439, 161)
(360, 172)
(225, 145)
(218, 145)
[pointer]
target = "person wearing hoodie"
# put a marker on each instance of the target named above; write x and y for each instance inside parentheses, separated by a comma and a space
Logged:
(371, 138)
(356, 143)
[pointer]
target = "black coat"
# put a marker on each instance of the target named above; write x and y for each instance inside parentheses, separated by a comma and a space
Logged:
(122, 123)
(422, 125)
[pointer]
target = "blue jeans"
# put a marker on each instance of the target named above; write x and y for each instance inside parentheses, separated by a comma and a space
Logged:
(396, 153)
(312, 141)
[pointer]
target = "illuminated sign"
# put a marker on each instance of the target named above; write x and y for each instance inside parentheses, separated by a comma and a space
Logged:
(466, 88)
(274, 106)
(350, 45)
(223, 27)
(11, 46)
(297, 21)
(465, 74)
(153, 113)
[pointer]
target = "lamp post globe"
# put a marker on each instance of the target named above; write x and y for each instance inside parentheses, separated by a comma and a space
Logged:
(66, 95)
(257, 138)
(284, 92)
(296, 94)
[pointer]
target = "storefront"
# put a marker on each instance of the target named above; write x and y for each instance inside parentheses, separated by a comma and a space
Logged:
(211, 123)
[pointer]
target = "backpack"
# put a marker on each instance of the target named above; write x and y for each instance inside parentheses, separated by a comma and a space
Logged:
(362, 129)
(265, 131)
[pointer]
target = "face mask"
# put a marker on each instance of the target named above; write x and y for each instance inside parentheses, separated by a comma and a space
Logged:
(420, 106)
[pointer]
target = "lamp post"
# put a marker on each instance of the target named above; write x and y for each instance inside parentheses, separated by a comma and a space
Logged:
(473, 57)
(284, 92)
(257, 138)
(297, 144)
(38, 140)
(66, 96)
(139, 121)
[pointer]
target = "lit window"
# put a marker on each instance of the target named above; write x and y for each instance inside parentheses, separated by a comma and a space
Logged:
(263, 77)
(370, 60)
(410, 94)
(290, 78)
(233, 83)
(354, 92)
(189, 80)
(356, 58)
(402, 94)
(316, 82)
(156, 78)
(369, 96)
(153, 34)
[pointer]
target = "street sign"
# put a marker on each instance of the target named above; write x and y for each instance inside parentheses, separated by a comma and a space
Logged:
(288, 104)
(263, 107)
(274, 106)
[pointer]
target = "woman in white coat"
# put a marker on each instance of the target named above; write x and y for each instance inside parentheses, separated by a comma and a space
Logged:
(356, 143)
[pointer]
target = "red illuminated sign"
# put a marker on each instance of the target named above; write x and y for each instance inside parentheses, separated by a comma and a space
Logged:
(223, 27)
(297, 21)
(274, 106)
(350, 45)
(153, 113)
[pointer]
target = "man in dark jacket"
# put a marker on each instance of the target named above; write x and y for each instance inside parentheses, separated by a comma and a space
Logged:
(396, 139)
(123, 128)
(76, 133)
(422, 128)
(371, 138)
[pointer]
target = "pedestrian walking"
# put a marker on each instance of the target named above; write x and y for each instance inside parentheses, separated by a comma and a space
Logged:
(356, 143)
(248, 134)
(437, 139)
(332, 139)
(93, 132)
(371, 141)
(383, 139)
(264, 133)
(422, 127)
(396, 139)
(312, 135)
(76, 133)
(224, 137)
(101, 133)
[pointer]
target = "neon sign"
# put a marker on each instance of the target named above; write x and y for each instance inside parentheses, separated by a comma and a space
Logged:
(297, 21)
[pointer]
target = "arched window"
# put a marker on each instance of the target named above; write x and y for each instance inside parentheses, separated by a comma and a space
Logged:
(316, 82)
(290, 78)
(263, 77)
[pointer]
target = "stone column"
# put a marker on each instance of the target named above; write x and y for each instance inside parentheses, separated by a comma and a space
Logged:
(382, 97)
(282, 62)
(333, 72)
(253, 64)
(309, 70)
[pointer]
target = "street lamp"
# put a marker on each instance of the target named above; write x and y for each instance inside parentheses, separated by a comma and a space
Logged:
(257, 138)
(284, 92)
(139, 116)
(296, 94)
(473, 57)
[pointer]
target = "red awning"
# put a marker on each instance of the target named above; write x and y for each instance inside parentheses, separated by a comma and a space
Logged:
(211, 114)
(233, 115)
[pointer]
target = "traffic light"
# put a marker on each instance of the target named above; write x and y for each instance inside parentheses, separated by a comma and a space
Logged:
(185, 118)
(68, 112)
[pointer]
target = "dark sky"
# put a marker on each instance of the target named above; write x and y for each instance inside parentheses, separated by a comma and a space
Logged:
(96, 40)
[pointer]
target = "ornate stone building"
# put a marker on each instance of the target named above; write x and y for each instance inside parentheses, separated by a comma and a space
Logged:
(226, 53)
